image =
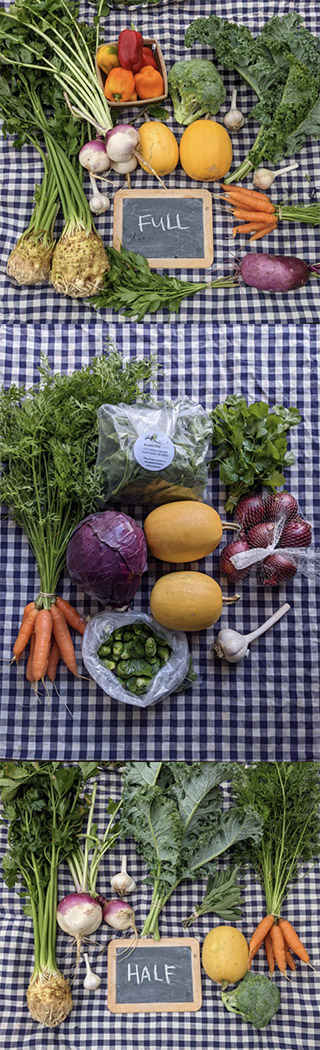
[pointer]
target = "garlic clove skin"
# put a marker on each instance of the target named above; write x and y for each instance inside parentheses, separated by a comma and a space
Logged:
(231, 645)
(91, 981)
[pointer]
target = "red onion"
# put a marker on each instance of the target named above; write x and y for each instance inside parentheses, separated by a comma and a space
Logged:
(249, 511)
(275, 569)
(261, 535)
(226, 566)
(119, 915)
(296, 533)
(281, 505)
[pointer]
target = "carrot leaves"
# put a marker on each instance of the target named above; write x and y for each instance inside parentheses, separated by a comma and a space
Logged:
(287, 796)
(49, 442)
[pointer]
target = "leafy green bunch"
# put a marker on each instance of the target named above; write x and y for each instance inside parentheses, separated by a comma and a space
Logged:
(282, 66)
(49, 442)
(251, 445)
(286, 795)
(173, 811)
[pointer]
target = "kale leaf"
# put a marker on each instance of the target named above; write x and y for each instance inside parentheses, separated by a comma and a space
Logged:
(282, 66)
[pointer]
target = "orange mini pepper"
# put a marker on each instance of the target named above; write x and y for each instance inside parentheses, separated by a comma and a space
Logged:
(107, 57)
(149, 83)
(119, 85)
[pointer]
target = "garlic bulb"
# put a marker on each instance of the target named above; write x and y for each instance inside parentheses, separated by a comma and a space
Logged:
(233, 646)
(234, 119)
(263, 177)
(91, 981)
(99, 202)
(122, 883)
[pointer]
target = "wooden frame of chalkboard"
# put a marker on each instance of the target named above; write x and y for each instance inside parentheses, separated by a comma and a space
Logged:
(144, 955)
(173, 262)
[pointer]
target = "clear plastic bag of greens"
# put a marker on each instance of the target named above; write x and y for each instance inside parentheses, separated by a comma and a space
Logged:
(154, 452)
(168, 680)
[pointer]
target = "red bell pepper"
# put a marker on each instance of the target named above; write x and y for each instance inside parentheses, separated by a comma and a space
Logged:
(148, 58)
(130, 49)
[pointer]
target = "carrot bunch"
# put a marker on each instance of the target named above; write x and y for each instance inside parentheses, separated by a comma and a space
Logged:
(47, 630)
(280, 940)
(254, 208)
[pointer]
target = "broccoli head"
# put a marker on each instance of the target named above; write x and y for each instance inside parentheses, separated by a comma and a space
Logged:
(195, 88)
(256, 999)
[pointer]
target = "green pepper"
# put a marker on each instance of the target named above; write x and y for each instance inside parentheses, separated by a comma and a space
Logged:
(150, 647)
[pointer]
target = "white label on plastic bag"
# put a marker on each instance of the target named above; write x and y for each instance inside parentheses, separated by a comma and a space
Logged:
(154, 450)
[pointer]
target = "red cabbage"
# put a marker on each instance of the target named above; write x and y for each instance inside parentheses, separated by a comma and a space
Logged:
(106, 556)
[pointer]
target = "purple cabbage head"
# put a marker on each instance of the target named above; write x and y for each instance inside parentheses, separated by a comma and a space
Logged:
(106, 556)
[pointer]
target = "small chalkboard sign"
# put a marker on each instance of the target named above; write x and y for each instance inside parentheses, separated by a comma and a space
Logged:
(154, 977)
(171, 228)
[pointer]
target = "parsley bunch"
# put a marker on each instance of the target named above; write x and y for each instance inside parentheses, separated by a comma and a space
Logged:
(131, 287)
(251, 445)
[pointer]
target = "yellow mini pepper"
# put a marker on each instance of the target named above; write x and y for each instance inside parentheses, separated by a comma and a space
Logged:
(107, 57)
(149, 82)
(119, 85)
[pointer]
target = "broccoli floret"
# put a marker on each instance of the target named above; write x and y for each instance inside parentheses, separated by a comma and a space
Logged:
(256, 999)
(195, 88)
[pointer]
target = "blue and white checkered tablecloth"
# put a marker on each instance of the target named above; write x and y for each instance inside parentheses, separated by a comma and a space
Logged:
(168, 22)
(90, 1026)
(268, 705)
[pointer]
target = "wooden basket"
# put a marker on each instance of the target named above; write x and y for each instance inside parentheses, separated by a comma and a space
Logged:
(101, 76)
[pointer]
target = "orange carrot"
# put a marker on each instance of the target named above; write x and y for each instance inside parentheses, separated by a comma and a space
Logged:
(64, 640)
(264, 232)
(29, 671)
(25, 632)
(27, 608)
(73, 618)
(290, 960)
(252, 197)
(249, 227)
(292, 940)
(260, 933)
(53, 660)
(269, 953)
(250, 215)
(278, 947)
(43, 632)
